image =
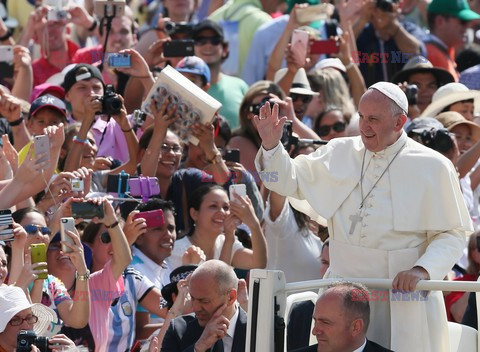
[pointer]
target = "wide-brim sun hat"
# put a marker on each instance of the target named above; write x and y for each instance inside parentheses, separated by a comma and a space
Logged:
(450, 119)
(13, 300)
(419, 64)
(300, 84)
(447, 95)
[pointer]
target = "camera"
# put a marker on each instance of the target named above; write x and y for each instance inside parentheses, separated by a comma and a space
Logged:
(139, 117)
(119, 60)
(385, 5)
(27, 338)
(77, 185)
(412, 94)
(439, 140)
(178, 27)
(111, 103)
(57, 15)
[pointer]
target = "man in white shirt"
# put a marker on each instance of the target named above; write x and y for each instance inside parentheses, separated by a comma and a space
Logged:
(218, 322)
(341, 316)
(394, 210)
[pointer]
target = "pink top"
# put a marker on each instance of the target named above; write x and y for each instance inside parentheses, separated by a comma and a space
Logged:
(114, 143)
(103, 290)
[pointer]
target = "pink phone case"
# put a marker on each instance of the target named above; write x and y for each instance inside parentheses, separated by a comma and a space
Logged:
(154, 218)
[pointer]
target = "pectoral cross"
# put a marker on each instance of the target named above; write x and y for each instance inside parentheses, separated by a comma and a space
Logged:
(355, 219)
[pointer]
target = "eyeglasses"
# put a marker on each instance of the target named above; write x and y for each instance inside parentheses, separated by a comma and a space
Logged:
(305, 98)
(204, 40)
(337, 127)
(165, 148)
(33, 229)
(17, 321)
(105, 238)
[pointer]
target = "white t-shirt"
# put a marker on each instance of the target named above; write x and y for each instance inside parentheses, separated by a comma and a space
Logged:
(181, 245)
(286, 241)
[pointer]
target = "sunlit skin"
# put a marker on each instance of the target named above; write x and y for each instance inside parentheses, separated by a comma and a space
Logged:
(208, 52)
(205, 297)
(35, 218)
(451, 31)
(212, 213)
(3, 266)
(43, 118)
(169, 162)
(180, 10)
(81, 92)
(121, 36)
(378, 128)
(463, 108)
(427, 86)
(157, 243)
(329, 119)
(463, 135)
(334, 328)
(8, 338)
(325, 260)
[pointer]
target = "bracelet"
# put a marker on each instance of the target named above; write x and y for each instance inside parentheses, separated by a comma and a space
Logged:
(125, 131)
(16, 122)
(94, 25)
(349, 66)
(80, 141)
(7, 35)
(112, 225)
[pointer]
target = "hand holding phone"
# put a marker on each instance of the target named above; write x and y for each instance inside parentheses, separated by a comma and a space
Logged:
(6, 225)
(232, 155)
(300, 39)
(41, 145)
(329, 46)
(67, 224)
(239, 189)
(39, 255)
(178, 48)
(87, 210)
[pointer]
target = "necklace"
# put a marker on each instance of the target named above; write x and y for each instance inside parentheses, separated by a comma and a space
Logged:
(356, 218)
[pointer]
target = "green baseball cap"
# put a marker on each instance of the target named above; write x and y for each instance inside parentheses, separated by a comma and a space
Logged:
(292, 3)
(455, 8)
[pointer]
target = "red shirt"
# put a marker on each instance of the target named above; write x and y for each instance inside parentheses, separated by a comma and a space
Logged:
(42, 69)
(88, 55)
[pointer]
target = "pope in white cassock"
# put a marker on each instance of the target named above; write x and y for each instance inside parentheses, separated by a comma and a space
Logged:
(394, 209)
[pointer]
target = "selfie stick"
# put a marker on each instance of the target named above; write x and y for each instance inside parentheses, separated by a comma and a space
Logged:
(312, 141)
(108, 26)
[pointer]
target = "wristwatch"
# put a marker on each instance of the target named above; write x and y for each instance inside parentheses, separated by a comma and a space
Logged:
(84, 277)
(216, 159)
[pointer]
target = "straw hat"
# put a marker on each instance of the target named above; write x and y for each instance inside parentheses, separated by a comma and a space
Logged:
(13, 301)
(449, 94)
(300, 84)
(450, 119)
(420, 64)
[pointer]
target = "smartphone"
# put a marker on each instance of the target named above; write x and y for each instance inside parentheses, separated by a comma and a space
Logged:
(67, 224)
(329, 46)
(109, 8)
(179, 48)
(6, 225)
(300, 36)
(313, 13)
(117, 183)
(240, 189)
(154, 218)
(143, 186)
(6, 61)
(232, 155)
(39, 254)
(41, 144)
(87, 210)
(118, 60)
(77, 185)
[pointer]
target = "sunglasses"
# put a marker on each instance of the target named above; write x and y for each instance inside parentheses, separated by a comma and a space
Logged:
(337, 127)
(255, 108)
(105, 238)
(33, 229)
(305, 98)
(204, 40)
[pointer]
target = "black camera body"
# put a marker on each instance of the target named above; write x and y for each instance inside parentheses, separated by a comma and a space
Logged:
(439, 140)
(178, 27)
(27, 338)
(385, 5)
(412, 94)
(111, 103)
(139, 117)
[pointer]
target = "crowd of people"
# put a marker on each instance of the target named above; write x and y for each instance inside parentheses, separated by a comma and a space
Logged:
(347, 144)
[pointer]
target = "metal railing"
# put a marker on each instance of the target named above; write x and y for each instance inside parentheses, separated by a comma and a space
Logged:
(268, 293)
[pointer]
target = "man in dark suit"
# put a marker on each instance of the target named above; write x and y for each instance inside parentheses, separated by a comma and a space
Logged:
(342, 315)
(218, 323)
